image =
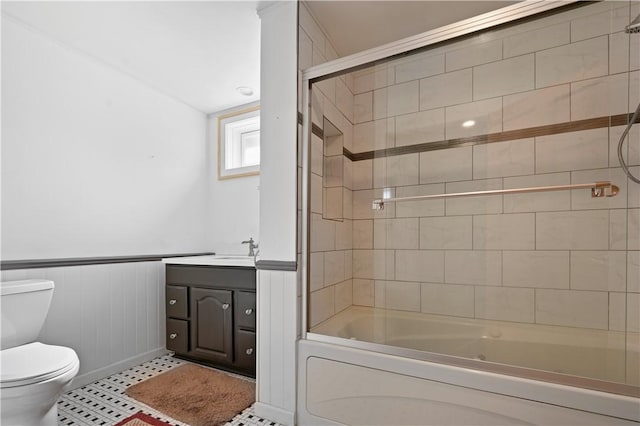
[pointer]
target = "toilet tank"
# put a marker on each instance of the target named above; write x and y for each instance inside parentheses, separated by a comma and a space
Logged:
(24, 307)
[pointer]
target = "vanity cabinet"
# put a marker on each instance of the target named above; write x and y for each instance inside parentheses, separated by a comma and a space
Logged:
(211, 315)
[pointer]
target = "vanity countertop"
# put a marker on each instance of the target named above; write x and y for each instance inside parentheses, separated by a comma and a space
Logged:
(213, 260)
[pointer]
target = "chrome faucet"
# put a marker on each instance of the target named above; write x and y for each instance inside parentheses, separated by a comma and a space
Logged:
(252, 246)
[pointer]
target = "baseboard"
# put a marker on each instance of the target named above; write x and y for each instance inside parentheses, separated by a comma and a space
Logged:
(275, 414)
(101, 373)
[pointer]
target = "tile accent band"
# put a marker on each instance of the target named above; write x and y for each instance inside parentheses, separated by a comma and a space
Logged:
(551, 129)
(7, 265)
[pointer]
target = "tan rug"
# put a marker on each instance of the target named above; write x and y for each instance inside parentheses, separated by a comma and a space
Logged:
(195, 395)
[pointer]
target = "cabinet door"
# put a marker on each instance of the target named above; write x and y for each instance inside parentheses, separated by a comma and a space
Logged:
(212, 324)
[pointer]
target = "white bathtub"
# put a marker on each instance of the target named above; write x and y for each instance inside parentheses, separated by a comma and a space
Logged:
(348, 380)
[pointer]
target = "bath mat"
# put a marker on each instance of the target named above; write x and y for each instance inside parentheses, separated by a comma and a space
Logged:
(195, 395)
(142, 419)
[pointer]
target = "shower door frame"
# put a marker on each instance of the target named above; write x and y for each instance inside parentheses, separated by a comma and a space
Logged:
(389, 52)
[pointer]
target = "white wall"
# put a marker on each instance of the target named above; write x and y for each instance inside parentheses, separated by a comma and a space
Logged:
(234, 203)
(95, 163)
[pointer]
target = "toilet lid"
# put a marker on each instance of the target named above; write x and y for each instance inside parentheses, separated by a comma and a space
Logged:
(34, 362)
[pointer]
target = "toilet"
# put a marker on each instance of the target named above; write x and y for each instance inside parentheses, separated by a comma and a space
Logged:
(32, 375)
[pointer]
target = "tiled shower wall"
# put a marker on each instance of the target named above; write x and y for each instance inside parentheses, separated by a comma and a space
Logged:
(558, 258)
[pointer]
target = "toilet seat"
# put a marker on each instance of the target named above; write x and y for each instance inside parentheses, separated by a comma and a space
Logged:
(33, 363)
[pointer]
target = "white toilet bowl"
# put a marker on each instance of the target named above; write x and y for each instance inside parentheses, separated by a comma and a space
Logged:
(33, 377)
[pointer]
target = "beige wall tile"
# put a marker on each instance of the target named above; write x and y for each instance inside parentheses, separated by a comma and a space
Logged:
(343, 295)
(347, 203)
(395, 171)
(363, 292)
(505, 304)
(344, 235)
(333, 171)
(624, 52)
(316, 271)
(396, 234)
(333, 267)
(317, 107)
(333, 203)
(362, 202)
(474, 55)
(323, 234)
(504, 232)
(348, 264)
(419, 66)
(446, 165)
(446, 233)
(371, 79)
(344, 100)
(310, 27)
(532, 41)
(473, 267)
(487, 115)
(446, 89)
(448, 299)
(599, 97)
(327, 87)
(617, 311)
(374, 135)
(503, 77)
(347, 173)
(581, 199)
(373, 264)
(380, 101)
(618, 229)
(512, 158)
(305, 50)
(630, 147)
(537, 202)
(321, 305)
(633, 312)
(420, 208)
(572, 62)
(363, 107)
(589, 309)
(481, 204)
(539, 269)
(316, 193)
(633, 219)
(606, 22)
(420, 127)
(420, 265)
(633, 271)
(598, 270)
(403, 296)
(362, 174)
(402, 98)
(380, 294)
(317, 156)
(577, 230)
(363, 234)
(587, 149)
(536, 108)
(333, 144)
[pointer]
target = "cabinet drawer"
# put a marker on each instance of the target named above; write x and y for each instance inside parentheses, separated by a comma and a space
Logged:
(178, 335)
(246, 350)
(246, 310)
(177, 303)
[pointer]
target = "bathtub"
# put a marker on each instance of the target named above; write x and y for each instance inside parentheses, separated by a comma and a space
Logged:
(372, 366)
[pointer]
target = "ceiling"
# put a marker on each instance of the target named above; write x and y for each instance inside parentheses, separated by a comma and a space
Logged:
(199, 52)
(195, 52)
(354, 26)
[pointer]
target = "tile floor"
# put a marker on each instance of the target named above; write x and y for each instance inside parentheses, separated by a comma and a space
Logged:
(104, 403)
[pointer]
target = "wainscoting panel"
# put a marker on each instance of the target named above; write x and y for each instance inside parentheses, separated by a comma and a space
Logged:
(112, 315)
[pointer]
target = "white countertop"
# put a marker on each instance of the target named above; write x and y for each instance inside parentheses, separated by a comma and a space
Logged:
(213, 260)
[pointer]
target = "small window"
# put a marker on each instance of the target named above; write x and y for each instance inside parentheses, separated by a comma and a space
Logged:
(239, 143)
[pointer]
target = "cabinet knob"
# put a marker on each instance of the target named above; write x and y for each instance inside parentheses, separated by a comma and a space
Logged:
(248, 311)
(249, 351)
(225, 306)
(173, 336)
(172, 301)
